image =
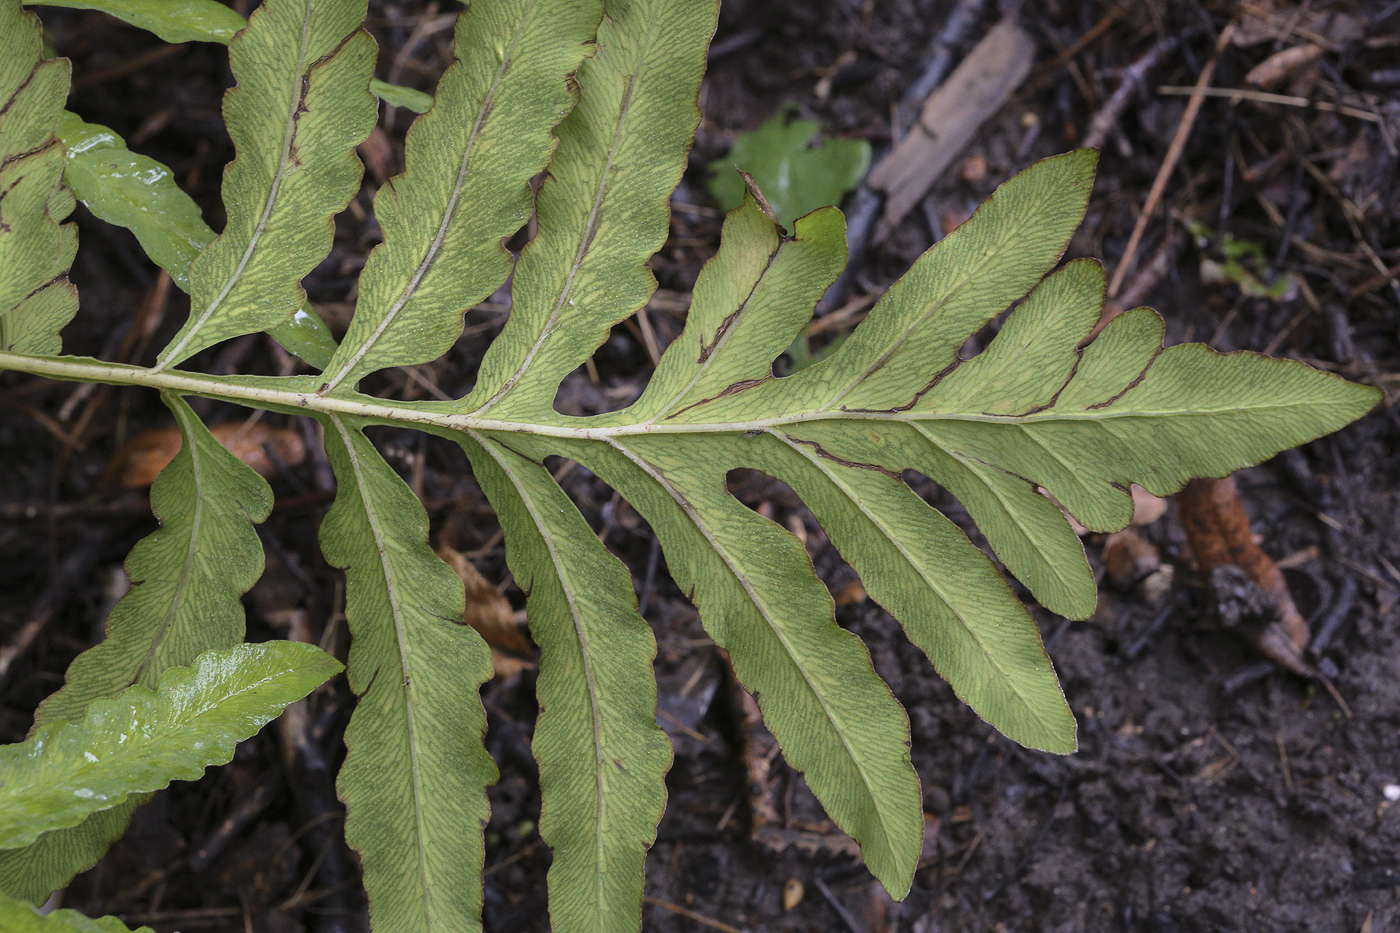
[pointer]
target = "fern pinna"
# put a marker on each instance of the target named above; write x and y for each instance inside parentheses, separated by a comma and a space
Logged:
(602, 95)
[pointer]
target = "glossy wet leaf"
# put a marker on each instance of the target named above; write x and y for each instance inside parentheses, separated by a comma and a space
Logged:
(143, 739)
(134, 191)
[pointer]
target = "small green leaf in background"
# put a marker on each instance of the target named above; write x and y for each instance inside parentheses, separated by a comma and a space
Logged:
(142, 740)
(796, 176)
(20, 917)
(1244, 265)
(172, 20)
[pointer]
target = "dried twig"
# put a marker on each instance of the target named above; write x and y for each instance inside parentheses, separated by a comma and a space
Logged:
(1178, 143)
(1217, 528)
(1131, 81)
(76, 566)
(692, 915)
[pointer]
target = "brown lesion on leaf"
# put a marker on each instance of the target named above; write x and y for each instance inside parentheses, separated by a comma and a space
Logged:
(932, 384)
(1054, 399)
(48, 144)
(708, 349)
(733, 389)
(20, 90)
(825, 454)
(1130, 386)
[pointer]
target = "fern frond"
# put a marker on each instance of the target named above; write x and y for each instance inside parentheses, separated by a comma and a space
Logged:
(414, 779)
(36, 299)
(300, 107)
(1034, 420)
(21, 917)
(142, 740)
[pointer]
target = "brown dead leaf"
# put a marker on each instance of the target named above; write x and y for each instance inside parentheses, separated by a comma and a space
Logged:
(1277, 67)
(1129, 557)
(142, 458)
(490, 614)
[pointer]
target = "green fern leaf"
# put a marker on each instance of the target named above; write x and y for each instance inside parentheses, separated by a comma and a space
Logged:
(602, 758)
(470, 161)
(414, 779)
(21, 917)
(36, 299)
(300, 108)
(833, 716)
(189, 576)
(137, 192)
(142, 740)
(604, 208)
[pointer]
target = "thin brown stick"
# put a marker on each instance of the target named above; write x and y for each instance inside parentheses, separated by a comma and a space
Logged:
(1266, 97)
(75, 567)
(692, 915)
(1178, 143)
(1098, 29)
(1130, 81)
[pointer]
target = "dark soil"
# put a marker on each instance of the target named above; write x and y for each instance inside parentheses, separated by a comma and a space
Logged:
(1210, 793)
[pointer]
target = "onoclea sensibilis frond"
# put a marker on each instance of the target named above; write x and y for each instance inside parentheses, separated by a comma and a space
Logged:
(603, 101)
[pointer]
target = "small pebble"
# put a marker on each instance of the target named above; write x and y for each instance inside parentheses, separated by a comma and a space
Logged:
(1392, 792)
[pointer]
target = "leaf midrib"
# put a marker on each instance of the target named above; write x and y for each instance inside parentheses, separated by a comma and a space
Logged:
(589, 231)
(990, 655)
(1009, 506)
(405, 664)
(191, 550)
(1008, 241)
(253, 392)
(542, 527)
(729, 325)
